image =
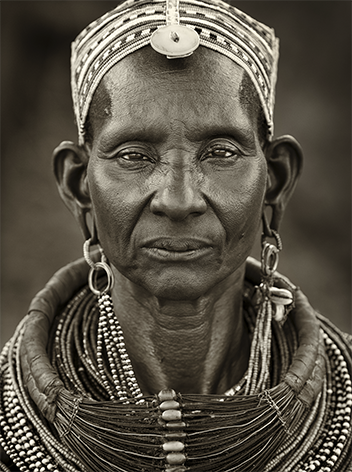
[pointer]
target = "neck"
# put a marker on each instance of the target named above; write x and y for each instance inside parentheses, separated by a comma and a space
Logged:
(192, 346)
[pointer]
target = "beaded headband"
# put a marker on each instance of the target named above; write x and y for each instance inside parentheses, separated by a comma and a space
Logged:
(174, 29)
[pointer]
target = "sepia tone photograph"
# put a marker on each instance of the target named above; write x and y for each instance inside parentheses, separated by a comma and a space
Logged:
(175, 236)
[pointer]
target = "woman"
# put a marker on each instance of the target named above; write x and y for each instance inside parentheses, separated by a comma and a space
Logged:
(186, 354)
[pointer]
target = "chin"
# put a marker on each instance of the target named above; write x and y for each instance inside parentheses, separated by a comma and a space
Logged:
(179, 293)
(182, 286)
(180, 297)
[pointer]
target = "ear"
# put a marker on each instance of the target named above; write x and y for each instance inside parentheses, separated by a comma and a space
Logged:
(70, 169)
(285, 159)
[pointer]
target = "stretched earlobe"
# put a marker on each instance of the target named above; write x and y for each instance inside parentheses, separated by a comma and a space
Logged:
(70, 169)
(285, 159)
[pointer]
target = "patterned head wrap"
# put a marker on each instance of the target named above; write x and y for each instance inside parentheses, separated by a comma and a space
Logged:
(131, 25)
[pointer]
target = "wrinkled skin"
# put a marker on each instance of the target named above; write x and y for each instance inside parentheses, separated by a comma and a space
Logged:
(176, 178)
(176, 159)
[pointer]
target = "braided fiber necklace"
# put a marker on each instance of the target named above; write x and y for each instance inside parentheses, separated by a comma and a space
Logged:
(286, 426)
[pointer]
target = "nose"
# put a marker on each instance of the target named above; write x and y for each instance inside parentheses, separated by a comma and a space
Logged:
(178, 194)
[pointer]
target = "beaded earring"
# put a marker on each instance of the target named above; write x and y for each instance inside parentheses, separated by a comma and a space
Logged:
(114, 365)
(280, 298)
(274, 303)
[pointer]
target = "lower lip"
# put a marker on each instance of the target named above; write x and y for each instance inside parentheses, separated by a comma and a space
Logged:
(177, 256)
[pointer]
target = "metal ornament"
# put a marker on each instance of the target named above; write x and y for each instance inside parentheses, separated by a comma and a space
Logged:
(280, 298)
(174, 41)
(95, 267)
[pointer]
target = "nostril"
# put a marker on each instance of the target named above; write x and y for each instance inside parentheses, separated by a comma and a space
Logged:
(178, 203)
(158, 213)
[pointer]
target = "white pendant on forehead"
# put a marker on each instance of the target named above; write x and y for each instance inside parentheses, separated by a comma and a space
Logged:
(174, 40)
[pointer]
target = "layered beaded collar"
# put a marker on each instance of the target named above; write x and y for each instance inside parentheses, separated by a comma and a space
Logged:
(299, 430)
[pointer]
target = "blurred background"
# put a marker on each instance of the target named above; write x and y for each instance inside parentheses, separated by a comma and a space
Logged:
(313, 103)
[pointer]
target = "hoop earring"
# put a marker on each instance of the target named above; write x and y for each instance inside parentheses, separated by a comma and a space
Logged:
(95, 267)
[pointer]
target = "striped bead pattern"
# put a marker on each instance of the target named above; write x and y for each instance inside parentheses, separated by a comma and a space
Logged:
(130, 26)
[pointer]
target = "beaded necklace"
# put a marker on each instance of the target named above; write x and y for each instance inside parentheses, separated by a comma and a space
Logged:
(104, 357)
(212, 433)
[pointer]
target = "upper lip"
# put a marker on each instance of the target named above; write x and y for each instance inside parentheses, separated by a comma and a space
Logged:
(176, 244)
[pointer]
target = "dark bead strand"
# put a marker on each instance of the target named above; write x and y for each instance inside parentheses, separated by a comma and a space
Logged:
(60, 344)
(89, 374)
(66, 344)
(93, 334)
(78, 343)
(57, 355)
(290, 335)
(75, 340)
(276, 363)
(78, 324)
(284, 352)
(92, 346)
(74, 361)
(90, 326)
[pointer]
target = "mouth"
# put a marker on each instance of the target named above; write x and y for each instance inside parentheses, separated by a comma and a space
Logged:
(177, 249)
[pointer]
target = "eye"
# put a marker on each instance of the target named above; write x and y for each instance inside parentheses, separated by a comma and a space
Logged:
(132, 156)
(221, 151)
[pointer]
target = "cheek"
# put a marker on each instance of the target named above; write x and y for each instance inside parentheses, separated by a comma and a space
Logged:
(235, 197)
(115, 207)
(239, 201)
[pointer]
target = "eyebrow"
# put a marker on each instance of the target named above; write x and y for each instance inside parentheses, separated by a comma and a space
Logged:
(155, 134)
(244, 136)
(110, 140)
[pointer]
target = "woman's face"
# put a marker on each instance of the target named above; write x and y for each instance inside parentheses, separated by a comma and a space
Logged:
(176, 173)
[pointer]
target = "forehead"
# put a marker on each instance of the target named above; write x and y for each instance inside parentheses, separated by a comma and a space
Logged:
(206, 86)
(203, 64)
